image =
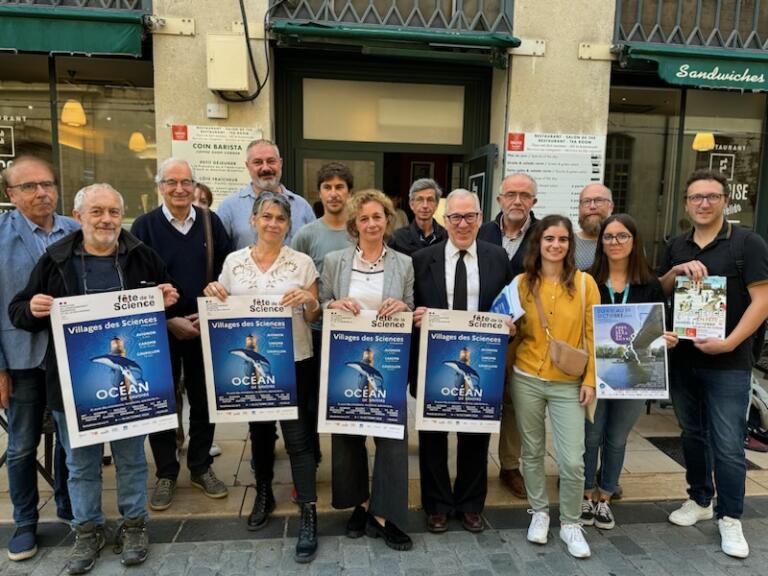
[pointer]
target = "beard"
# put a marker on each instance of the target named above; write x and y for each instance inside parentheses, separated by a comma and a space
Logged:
(272, 184)
(591, 224)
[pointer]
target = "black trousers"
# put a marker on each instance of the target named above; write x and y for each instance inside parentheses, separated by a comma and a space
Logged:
(186, 353)
(471, 485)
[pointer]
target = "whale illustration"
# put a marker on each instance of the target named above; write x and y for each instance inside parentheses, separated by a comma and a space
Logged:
(130, 370)
(260, 363)
(468, 374)
(373, 378)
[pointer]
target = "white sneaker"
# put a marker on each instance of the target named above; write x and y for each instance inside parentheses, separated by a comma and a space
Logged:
(215, 450)
(690, 513)
(539, 527)
(732, 540)
(573, 536)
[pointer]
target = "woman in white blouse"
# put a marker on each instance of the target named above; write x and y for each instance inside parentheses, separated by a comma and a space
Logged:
(368, 276)
(268, 268)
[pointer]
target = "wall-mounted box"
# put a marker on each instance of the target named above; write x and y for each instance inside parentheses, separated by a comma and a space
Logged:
(227, 57)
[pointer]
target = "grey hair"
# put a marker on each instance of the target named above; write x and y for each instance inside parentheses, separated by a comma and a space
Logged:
(527, 177)
(267, 199)
(83, 192)
(265, 142)
(167, 163)
(464, 193)
(425, 184)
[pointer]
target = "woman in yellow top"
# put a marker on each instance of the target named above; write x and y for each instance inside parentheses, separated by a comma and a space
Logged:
(538, 385)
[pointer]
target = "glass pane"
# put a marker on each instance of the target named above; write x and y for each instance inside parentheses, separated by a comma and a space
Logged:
(383, 112)
(363, 173)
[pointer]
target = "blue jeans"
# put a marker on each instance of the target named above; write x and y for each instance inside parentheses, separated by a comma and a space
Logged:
(711, 407)
(85, 477)
(25, 425)
(614, 420)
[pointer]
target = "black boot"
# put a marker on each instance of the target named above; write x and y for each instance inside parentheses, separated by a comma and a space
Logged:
(262, 507)
(306, 547)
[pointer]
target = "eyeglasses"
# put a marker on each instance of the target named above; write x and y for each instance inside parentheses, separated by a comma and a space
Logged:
(595, 201)
(523, 196)
(30, 187)
(469, 217)
(699, 198)
(621, 238)
(186, 184)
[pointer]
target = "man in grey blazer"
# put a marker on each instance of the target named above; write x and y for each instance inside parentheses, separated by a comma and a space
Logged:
(25, 233)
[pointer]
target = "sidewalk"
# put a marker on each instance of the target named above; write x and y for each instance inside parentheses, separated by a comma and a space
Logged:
(642, 544)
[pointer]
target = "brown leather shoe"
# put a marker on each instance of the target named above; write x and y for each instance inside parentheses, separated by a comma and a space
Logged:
(472, 522)
(513, 480)
(437, 523)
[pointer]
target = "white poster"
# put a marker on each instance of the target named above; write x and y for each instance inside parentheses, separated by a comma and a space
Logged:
(250, 372)
(216, 154)
(114, 365)
(561, 164)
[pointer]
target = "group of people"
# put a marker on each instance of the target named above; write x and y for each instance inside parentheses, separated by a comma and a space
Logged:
(265, 240)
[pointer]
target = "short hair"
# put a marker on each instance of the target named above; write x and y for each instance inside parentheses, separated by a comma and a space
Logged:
(83, 192)
(260, 142)
(5, 174)
(206, 192)
(528, 177)
(706, 174)
(267, 199)
(335, 169)
(361, 198)
(425, 184)
(167, 163)
(463, 193)
(610, 193)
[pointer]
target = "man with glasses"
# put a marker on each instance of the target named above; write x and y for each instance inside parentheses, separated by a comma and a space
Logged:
(710, 377)
(100, 258)
(265, 166)
(193, 244)
(25, 233)
(424, 230)
(595, 205)
(474, 273)
(512, 227)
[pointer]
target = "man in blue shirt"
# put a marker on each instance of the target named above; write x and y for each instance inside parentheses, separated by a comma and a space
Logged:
(25, 233)
(265, 166)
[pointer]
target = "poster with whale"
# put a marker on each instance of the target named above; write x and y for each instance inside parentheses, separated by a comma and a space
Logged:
(364, 373)
(114, 365)
(462, 357)
(250, 372)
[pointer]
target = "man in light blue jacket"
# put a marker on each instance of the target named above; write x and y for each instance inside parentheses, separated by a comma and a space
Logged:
(25, 233)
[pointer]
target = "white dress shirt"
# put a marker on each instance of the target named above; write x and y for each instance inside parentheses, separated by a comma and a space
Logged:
(366, 282)
(182, 226)
(473, 274)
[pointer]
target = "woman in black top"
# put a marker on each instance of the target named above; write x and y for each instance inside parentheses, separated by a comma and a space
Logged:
(624, 277)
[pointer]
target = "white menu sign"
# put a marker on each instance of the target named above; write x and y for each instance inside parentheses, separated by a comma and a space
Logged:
(216, 154)
(561, 164)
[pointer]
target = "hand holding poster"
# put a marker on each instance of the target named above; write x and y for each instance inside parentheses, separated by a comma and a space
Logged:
(699, 310)
(462, 358)
(364, 373)
(630, 351)
(250, 372)
(114, 365)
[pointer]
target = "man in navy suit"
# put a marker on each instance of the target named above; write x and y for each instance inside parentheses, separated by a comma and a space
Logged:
(460, 273)
(25, 233)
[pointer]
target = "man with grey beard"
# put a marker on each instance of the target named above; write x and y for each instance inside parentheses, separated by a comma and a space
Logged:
(595, 205)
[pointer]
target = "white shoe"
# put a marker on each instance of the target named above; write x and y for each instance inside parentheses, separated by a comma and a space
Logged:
(539, 527)
(690, 513)
(215, 450)
(573, 536)
(732, 540)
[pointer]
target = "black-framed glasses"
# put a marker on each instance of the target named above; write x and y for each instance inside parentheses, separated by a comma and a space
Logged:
(469, 218)
(30, 187)
(596, 201)
(186, 184)
(621, 238)
(710, 198)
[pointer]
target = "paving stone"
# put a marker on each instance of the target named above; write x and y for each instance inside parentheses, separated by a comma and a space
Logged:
(626, 546)
(503, 563)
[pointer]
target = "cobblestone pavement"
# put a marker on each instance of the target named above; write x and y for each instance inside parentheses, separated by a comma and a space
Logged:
(643, 543)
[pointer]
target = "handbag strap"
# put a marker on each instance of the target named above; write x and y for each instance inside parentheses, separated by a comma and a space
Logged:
(542, 316)
(208, 244)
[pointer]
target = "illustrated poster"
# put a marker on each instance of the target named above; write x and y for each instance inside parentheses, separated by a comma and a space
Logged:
(699, 307)
(114, 365)
(630, 351)
(250, 372)
(364, 373)
(462, 358)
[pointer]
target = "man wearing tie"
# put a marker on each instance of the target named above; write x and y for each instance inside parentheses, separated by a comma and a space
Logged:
(460, 273)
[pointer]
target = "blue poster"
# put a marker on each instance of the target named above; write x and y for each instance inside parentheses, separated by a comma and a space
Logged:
(114, 365)
(364, 373)
(248, 357)
(462, 358)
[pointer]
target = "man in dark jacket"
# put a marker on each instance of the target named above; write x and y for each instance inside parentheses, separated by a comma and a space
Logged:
(100, 258)
(424, 231)
(511, 230)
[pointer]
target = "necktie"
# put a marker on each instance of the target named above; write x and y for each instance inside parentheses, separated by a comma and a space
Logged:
(460, 283)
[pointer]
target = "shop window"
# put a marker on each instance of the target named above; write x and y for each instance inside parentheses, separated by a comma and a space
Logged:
(618, 166)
